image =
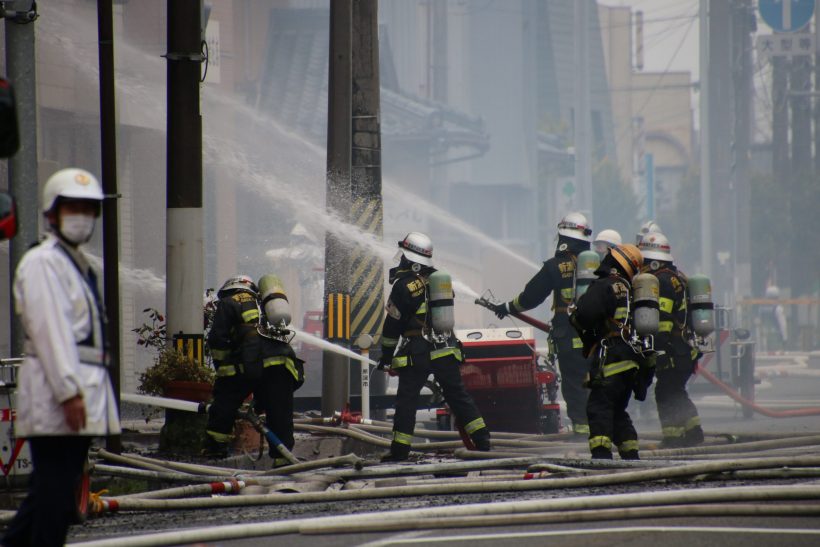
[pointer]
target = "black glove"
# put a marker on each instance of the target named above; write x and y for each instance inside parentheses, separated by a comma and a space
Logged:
(384, 360)
(642, 382)
(500, 310)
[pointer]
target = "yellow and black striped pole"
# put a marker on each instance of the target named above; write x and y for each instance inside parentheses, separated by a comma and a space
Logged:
(366, 211)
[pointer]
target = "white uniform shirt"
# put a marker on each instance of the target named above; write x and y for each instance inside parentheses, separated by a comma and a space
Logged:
(58, 311)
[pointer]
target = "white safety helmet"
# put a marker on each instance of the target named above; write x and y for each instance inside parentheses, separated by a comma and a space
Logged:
(655, 246)
(772, 291)
(71, 183)
(648, 227)
(606, 239)
(417, 247)
(575, 225)
(239, 282)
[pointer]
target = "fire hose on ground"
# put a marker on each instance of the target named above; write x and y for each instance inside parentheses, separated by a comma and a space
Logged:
(701, 502)
(797, 412)
(627, 477)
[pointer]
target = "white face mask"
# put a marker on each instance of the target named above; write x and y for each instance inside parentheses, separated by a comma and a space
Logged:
(77, 228)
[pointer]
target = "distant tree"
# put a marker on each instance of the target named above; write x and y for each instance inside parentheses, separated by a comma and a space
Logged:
(614, 203)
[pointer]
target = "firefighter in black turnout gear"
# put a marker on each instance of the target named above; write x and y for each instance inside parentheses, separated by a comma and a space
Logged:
(248, 363)
(680, 423)
(557, 275)
(412, 349)
(602, 318)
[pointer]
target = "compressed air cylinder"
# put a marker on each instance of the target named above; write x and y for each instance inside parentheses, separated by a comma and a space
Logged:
(588, 262)
(274, 300)
(645, 290)
(701, 307)
(442, 313)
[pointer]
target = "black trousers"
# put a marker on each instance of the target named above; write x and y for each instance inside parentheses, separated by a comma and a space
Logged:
(51, 504)
(675, 409)
(273, 393)
(606, 408)
(573, 367)
(448, 375)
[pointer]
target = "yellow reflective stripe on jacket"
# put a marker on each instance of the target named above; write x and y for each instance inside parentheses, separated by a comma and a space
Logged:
(224, 371)
(220, 354)
(400, 362)
(666, 304)
(219, 437)
(600, 440)
(390, 342)
(621, 313)
(422, 309)
(611, 369)
(444, 352)
(567, 294)
(402, 438)
(281, 360)
(577, 343)
(665, 326)
(628, 446)
(250, 315)
(474, 426)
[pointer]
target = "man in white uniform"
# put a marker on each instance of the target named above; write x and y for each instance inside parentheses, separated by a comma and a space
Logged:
(64, 393)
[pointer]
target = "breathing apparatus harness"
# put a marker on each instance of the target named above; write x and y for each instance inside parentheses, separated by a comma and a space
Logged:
(626, 331)
(278, 332)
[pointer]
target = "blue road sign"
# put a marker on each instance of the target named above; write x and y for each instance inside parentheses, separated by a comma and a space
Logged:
(786, 15)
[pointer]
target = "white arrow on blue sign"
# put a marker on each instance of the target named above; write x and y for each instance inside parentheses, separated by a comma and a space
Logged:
(786, 15)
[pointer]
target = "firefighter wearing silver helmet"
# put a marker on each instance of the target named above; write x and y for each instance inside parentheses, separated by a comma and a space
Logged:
(648, 227)
(680, 423)
(65, 397)
(557, 276)
(411, 350)
(605, 240)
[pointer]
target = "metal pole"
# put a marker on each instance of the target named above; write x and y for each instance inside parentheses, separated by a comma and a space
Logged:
(582, 124)
(108, 147)
(705, 157)
(20, 56)
(335, 367)
(184, 250)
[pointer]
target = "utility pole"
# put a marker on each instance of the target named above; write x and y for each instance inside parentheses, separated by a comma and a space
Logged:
(583, 147)
(744, 19)
(367, 281)
(184, 249)
(799, 101)
(705, 155)
(720, 126)
(108, 147)
(817, 91)
(781, 166)
(20, 59)
(335, 367)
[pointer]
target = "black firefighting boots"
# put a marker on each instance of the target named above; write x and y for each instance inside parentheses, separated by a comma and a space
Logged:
(398, 453)
(214, 450)
(481, 440)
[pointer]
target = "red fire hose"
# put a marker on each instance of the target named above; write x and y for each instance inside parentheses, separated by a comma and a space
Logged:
(811, 411)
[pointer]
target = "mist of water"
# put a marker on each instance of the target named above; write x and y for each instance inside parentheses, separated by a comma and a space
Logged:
(324, 344)
(285, 150)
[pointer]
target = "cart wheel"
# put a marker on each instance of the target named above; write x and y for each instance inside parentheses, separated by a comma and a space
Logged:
(82, 494)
